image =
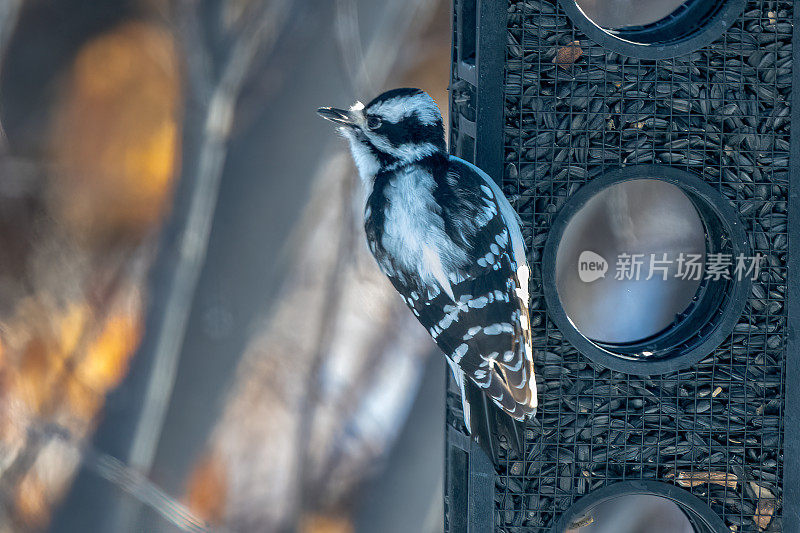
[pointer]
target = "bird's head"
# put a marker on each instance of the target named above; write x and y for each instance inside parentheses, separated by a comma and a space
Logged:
(398, 127)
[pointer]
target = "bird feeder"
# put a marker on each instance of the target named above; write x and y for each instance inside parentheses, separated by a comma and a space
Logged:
(620, 138)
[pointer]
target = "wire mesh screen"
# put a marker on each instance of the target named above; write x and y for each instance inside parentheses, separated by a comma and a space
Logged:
(574, 110)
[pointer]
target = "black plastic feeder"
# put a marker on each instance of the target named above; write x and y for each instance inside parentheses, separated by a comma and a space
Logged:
(585, 511)
(654, 29)
(688, 124)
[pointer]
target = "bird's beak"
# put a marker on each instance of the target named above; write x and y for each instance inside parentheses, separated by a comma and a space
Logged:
(337, 116)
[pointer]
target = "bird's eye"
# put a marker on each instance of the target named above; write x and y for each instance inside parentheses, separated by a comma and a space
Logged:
(373, 122)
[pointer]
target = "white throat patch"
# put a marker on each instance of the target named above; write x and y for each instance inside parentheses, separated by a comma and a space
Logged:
(366, 162)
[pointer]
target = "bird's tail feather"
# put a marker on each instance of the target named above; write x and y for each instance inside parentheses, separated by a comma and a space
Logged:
(488, 422)
(495, 431)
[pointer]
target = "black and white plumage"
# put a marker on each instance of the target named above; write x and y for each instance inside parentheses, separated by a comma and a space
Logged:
(449, 241)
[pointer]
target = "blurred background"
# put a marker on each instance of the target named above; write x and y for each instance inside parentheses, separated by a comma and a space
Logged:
(192, 334)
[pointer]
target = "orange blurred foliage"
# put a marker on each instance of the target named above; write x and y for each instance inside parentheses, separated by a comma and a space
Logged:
(32, 502)
(318, 523)
(116, 135)
(106, 360)
(207, 489)
(49, 341)
(69, 337)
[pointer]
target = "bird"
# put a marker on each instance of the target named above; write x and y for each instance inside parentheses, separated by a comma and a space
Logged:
(449, 241)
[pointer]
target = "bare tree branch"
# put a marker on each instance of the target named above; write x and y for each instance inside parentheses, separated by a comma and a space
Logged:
(327, 326)
(115, 472)
(260, 30)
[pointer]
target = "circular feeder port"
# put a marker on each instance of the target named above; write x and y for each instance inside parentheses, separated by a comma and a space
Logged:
(637, 218)
(633, 506)
(653, 29)
(627, 269)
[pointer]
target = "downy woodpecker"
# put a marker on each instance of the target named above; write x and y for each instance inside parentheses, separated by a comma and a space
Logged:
(449, 241)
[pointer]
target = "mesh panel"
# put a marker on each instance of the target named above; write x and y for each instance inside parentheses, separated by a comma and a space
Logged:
(573, 111)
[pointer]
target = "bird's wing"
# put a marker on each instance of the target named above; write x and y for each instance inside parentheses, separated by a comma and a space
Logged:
(485, 329)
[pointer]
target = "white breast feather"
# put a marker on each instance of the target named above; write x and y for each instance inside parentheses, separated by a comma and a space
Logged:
(414, 233)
